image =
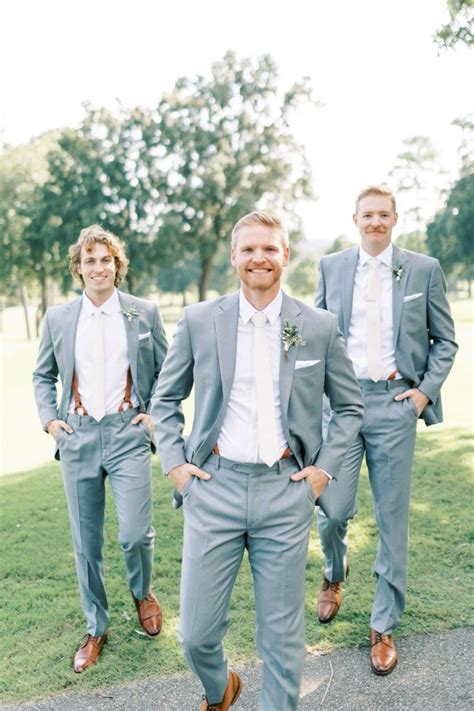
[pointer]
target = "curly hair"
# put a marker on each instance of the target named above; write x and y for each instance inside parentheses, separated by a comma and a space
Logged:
(95, 234)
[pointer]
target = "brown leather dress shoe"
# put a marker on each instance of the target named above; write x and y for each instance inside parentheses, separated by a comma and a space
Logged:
(330, 599)
(88, 653)
(383, 655)
(149, 613)
(231, 694)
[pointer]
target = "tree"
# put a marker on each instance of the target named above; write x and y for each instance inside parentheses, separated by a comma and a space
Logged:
(466, 146)
(415, 169)
(22, 169)
(225, 148)
(302, 276)
(100, 173)
(339, 244)
(460, 28)
(451, 234)
(416, 241)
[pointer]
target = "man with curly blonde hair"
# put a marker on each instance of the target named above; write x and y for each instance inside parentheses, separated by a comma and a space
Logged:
(108, 348)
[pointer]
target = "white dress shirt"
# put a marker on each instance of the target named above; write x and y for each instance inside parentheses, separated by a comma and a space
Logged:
(238, 439)
(115, 349)
(357, 335)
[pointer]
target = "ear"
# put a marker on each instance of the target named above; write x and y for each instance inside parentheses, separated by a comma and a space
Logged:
(286, 256)
(232, 256)
(354, 218)
(395, 218)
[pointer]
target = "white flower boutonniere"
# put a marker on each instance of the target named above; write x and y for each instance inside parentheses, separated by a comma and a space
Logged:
(130, 313)
(290, 337)
(397, 272)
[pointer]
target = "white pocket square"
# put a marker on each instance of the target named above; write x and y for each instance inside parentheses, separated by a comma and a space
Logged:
(141, 336)
(305, 363)
(411, 297)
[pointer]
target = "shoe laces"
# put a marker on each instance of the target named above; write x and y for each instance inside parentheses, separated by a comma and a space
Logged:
(381, 638)
(332, 586)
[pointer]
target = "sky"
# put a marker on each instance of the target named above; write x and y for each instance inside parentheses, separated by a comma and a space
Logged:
(373, 65)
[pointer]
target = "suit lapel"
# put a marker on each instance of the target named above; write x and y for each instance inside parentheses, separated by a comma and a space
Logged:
(399, 259)
(290, 311)
(131, 329)
(226, 325)
(349, 267)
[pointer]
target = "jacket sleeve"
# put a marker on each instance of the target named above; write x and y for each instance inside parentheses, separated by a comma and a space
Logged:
(443, 347)
(174, 385)
(45, 377)
(345, 398)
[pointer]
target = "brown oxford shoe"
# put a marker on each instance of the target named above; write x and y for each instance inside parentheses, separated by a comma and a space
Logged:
(88, 653)
(149, 613)
(330, 599)
(383, 655)
(231, 694)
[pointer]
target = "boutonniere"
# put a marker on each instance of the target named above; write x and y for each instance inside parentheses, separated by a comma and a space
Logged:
(130, 313)
(397, 271)
(290, 337)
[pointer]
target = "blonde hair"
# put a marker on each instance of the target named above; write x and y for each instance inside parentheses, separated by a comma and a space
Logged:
(382, 190)
(261, 218)
(95, 234)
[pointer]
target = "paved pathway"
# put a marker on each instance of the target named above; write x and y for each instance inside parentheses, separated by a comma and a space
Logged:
(434, 673)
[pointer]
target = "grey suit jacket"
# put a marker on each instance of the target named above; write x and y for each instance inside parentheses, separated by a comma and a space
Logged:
(56, 354)
(203, 353)
(423, 329)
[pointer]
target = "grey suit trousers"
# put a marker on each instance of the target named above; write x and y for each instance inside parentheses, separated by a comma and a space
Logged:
(387, 438)
(115, 448)
(259, 508)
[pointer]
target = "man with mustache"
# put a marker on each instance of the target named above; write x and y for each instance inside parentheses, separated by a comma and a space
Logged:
(394, 315)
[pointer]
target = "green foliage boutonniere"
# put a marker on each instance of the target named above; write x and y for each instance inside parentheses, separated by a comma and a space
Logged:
(397, 272)
(290, 337)
(130, 313)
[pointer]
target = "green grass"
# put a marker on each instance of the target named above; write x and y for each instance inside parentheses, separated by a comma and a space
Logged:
(42, 619)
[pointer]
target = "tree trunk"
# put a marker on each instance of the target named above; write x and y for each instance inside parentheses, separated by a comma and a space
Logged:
(183, 294)
(43, 305)
(206, 269)
(24, 303)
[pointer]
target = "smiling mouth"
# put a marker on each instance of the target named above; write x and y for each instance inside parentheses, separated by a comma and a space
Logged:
(259, 271)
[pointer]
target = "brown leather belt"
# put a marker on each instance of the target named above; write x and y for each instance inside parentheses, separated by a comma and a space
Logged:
(287, 453)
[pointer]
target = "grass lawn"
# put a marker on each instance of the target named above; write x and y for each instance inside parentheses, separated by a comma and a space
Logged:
(42, 620)
(41, 617)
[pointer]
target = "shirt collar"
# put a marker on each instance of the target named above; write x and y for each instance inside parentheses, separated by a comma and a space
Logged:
(111, 306)
(385, 257)
(272, 311)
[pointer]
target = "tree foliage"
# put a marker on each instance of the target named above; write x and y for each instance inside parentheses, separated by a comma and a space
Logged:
(460, 28)
(415, 170)
(225, 148)
(451, 234)
(302, 276)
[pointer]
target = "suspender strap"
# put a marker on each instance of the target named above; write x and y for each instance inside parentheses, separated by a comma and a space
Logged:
(125, 401)
(128, 392)
(77, 398)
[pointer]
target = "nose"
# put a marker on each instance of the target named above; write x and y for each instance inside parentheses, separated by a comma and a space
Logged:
(259, 257)
(375, 219)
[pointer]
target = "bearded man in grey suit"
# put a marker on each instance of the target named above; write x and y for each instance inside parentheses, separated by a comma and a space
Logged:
(255, 462)
(393, 312)
(108, 348)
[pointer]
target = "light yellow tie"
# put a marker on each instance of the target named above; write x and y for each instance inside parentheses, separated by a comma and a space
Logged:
(266, 423)
(97, 409)
(374, 336)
